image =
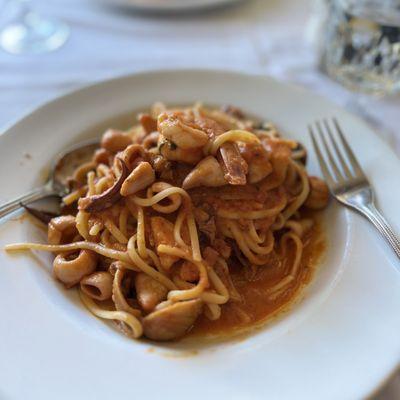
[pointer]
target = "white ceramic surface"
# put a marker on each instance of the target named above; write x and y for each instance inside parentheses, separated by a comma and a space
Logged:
(169, 5)
(341, 341)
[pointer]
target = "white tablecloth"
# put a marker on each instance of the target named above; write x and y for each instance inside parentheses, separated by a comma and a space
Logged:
(262, 36)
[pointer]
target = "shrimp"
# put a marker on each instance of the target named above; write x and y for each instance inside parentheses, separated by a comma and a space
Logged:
(172, 152)
(175, 128)
(257, 160)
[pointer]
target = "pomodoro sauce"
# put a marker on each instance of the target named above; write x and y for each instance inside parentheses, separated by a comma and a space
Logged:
(257, 306)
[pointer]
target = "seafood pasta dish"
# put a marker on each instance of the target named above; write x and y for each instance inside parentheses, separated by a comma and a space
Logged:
(196, 219)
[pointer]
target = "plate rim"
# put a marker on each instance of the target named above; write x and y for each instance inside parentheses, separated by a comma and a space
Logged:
(5, 128)
(168, 9)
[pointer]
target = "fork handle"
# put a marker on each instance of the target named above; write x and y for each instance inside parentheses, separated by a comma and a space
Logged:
(372, 213)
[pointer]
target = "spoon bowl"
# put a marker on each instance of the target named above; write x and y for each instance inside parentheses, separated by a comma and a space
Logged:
(66, 162)
(62, 167)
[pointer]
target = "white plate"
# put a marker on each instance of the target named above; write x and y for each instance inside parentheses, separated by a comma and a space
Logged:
(340, 342)
(170, 5)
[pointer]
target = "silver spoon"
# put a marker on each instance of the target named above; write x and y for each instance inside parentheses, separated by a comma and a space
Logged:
(61, 168)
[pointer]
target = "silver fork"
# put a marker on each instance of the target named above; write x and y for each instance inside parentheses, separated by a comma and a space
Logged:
(346, 180)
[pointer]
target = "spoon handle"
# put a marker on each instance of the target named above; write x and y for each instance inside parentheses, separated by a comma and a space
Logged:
(27, 198)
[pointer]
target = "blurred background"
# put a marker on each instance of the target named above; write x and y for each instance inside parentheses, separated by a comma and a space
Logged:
(347, 50)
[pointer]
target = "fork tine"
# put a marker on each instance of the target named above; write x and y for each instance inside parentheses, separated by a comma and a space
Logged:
(350, 155)
(338, 153)
(321, 161)
(332, 161)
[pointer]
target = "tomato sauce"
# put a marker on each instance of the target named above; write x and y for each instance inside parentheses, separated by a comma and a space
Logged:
(257, 305)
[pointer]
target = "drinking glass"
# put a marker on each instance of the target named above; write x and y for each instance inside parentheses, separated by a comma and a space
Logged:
(32, 33)
(361, 44)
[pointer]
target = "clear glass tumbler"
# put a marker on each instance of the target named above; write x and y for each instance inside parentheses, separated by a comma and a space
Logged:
(32, 33)
(361, 44)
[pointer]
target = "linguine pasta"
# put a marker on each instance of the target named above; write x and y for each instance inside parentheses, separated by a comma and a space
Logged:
(153, 225)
